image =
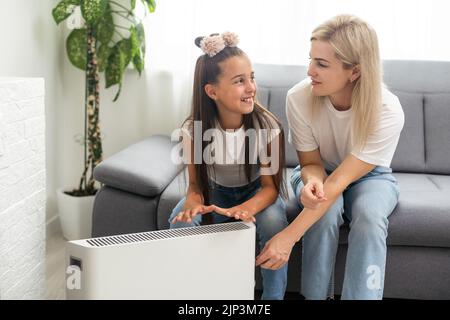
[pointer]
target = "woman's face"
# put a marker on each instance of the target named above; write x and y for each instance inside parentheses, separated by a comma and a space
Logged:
(328, 76)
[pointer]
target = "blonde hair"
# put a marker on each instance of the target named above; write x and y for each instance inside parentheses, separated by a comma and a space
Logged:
(355, 43)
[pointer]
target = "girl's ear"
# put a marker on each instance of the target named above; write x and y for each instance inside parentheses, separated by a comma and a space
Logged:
(210, 90)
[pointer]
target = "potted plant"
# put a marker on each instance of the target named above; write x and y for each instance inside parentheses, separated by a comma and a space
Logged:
(110, 37)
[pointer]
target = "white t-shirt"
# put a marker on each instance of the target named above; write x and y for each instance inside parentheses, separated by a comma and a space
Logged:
(226, 152)
(330, 129)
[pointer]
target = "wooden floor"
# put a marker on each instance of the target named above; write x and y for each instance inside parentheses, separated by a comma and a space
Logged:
(55, 267)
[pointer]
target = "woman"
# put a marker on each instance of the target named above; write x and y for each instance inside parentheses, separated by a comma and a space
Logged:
(345, 127)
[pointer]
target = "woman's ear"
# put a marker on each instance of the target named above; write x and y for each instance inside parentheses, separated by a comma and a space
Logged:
(356, 73)
(210, 91)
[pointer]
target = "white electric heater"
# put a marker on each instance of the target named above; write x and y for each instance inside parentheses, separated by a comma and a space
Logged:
(206, 262)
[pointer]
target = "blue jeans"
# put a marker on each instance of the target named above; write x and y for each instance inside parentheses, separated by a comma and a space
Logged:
(366, 203)
(269, 222)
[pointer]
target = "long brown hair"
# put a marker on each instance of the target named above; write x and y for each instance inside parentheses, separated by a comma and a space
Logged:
(204, 109)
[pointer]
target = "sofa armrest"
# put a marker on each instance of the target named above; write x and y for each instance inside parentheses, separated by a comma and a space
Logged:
(144, 168)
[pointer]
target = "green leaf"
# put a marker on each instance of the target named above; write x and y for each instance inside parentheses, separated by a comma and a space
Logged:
(118, 92)
(125, 47)
(92, 10)
(102, 57)
(137, 59)
(115, 67)
(141, 36)
(133, 4)
(138, 63)
(76, 46)
(134, 40)
(64, 9)
(151, 4)
(105, 27)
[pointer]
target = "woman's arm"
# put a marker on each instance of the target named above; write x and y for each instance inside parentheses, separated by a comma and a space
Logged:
(274, 254)
(351, 169)
(313, 176)
(311, 166)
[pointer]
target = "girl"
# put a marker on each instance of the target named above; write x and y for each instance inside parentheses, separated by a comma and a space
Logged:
(229, 183)
(345, 127)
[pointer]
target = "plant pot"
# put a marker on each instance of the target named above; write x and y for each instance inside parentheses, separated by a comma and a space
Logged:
(75, 215)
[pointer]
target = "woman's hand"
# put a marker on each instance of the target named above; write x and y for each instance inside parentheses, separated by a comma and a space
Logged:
(312, 194)
(236, 212)
(190, 211)
(276, 252)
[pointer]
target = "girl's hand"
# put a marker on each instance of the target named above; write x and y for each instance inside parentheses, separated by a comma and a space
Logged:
(237, 212)
(276, 252)
(312, 194)
(190, 211)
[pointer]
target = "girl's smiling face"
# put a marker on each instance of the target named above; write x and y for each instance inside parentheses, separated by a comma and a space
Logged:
(234, 92)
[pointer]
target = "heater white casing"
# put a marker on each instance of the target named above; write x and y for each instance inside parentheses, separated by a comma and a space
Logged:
(213, 262)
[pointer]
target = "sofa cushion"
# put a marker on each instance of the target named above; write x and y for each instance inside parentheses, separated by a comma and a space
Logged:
(437, 132)
(410, 153)
(143, 168)
(169, 199)
(275, 99)
(274, 81)
(422, 216)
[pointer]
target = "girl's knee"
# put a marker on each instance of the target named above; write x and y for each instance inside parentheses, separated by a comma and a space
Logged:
(272, 218)
(178, 208)
(296, 181)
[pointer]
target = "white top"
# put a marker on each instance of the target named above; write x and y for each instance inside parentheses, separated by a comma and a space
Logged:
(226, 153)
(330, 129)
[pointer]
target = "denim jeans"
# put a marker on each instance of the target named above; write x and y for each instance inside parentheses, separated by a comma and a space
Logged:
(366, 203)
(269, 222)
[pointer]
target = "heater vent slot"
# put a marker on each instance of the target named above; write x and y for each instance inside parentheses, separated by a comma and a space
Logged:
(165, 234)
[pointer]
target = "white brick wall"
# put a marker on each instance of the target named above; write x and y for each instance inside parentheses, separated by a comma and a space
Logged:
(22, 188)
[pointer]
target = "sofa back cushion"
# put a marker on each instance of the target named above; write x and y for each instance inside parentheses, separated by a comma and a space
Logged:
(273, 82)
(423, 88)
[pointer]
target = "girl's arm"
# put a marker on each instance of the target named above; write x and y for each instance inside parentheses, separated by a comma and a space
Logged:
(193, 195)
(262, 199)
(247, 210)
(194, 203)
(277, 250)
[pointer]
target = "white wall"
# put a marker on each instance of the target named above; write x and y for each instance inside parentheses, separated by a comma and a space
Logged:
(33, 46)
(22, 188)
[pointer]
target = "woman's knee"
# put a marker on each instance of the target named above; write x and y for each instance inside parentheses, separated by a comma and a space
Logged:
(369, 220)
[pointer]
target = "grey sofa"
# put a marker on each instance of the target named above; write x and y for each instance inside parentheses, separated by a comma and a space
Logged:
(141, 185)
